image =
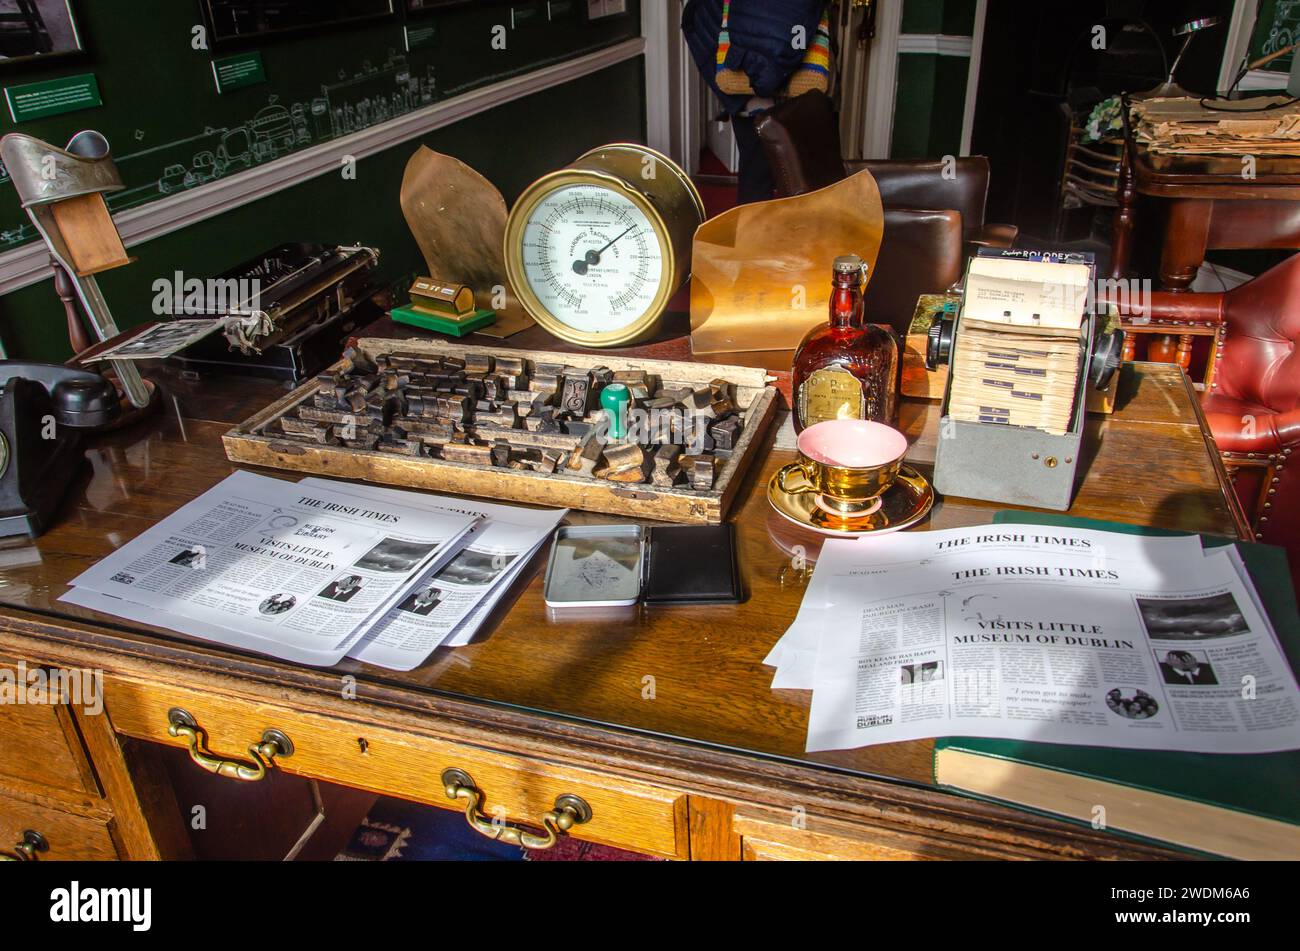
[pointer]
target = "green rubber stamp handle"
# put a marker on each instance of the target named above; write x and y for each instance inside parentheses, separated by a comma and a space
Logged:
(614, 399)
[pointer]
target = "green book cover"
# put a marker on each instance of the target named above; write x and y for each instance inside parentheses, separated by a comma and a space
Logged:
(1263, 784)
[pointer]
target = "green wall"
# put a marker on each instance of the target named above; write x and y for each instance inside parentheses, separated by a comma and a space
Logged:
(931, 101)
(157, 90)
(953, 17)
(931, 91)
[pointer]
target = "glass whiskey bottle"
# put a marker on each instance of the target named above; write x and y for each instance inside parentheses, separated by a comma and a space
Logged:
(847, 368)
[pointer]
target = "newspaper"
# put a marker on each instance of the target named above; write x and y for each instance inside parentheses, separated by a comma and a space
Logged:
(795, 654)
(1056, 635)
(446, 600)
(263, 564)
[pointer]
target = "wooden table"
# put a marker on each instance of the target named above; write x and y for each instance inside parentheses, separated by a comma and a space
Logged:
(1207, 202)
(664, 722)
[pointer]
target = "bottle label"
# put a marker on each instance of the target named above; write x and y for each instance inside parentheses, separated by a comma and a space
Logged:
(831, 393)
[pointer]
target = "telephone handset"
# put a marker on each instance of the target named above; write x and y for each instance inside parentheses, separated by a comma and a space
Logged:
(43, 410)
(79, 398)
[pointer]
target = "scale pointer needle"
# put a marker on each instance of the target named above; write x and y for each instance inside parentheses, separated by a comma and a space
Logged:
(592, 258)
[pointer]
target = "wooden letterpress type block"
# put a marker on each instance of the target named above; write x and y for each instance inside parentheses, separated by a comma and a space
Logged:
(577, 427)
(506, 417)
(543, 422)
(501, 454)
(510, 366)
(631, 377)
(702, 472)
(584, 459)
(479, 363)
(699, 402)
(302, 427)
(726, 433)
(667, 469)
(439, 428)
(400, 447)
(316, 415)
(546, 382)
(622, 460)
(576, 396)
(467, 452)
(547, 461)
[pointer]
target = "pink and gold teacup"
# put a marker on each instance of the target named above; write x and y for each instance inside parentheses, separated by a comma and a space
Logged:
(848, 463)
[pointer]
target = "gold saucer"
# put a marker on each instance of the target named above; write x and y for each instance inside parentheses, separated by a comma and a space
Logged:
(903, 504)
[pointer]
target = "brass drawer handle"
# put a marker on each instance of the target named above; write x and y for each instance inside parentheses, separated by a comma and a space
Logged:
(274, 743)
(569, 811)
(25, 851)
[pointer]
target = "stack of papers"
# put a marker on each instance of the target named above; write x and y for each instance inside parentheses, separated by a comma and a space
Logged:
(1027, 632)
(1261, 125)
(316, 571)
(1018, 353)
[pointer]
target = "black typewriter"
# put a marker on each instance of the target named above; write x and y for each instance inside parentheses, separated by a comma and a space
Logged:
(309, 298)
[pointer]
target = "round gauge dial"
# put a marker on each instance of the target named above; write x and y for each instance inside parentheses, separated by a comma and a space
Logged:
(591, 258)
(595, 250)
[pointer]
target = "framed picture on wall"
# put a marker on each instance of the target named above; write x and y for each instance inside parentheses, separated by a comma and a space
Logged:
(230, 21)
(35, 29)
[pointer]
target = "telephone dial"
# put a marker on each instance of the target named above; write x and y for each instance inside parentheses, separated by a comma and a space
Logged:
(44, 410)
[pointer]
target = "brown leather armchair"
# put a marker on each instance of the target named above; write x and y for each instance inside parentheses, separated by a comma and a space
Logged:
(1252, 402)
(932, 222)
(801, 139)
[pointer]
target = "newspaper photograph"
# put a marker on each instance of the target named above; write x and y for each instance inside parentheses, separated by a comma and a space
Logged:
(278, 567)
(162, 340)
(445, 597)
(1022, 633)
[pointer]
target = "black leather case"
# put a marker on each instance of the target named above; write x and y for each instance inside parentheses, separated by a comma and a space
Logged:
(691, 564)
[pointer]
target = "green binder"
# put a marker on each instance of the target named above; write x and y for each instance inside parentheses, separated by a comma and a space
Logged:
(1251, 801)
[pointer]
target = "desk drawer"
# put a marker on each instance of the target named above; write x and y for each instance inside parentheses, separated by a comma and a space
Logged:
(69, 837)
(39, 744)
(393, 762)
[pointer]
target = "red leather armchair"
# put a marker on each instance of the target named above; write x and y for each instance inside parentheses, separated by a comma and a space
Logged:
(1252, 401)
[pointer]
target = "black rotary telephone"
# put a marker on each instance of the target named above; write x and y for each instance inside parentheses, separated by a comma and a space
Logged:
(44, 409)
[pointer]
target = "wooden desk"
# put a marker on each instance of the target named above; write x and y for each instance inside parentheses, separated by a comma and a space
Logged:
(1210, 203)
(664, 723)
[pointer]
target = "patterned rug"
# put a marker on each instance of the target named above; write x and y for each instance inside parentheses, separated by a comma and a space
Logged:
(398, 831)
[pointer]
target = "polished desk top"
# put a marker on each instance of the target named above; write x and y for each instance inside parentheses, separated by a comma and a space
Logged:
(1151, 463)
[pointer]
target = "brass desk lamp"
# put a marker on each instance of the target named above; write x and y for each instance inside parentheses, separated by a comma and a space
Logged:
(63, 191)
